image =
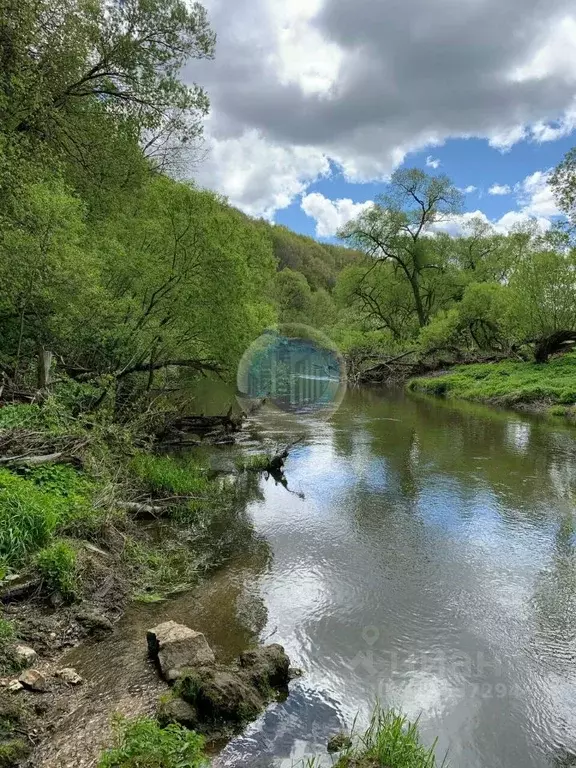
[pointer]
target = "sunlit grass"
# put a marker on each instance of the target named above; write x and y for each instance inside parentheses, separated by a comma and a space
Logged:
(508, 383)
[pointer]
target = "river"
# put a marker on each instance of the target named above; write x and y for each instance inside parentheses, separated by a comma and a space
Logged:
(422, 554)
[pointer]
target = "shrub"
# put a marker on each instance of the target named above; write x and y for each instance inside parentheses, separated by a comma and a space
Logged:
(57, 567)
(34, 505)
(142, 743)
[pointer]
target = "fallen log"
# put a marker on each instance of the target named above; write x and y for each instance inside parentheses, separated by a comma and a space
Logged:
(36, 461)
(140, 508)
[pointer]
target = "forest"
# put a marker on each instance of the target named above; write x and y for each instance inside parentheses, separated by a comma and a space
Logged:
(112, 262)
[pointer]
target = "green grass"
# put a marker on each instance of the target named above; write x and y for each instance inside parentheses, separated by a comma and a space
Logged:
(256, 462)
(391, 741)
(165, 475)
(507, 383)
(34, 506)
(142, 743)
(57, 566)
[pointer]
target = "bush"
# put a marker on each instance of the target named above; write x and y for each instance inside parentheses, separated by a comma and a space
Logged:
(57, 567)
(142, 743)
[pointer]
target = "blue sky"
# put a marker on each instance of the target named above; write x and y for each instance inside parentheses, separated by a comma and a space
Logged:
(315, 103)
(468, 162)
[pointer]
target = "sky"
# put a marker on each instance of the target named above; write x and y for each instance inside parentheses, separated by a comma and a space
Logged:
(314, 103)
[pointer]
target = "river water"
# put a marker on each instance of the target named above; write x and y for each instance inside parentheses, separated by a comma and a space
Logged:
(422, 554)
(430, 564)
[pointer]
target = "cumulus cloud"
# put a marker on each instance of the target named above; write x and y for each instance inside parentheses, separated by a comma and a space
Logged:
(331, 215)
(499, 189)
(432, 162)
(535, 203)
(363, 83)
(536, 196)
(470, 189)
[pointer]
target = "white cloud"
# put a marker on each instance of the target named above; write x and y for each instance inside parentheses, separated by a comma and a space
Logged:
(331, 215)
(338, 80)
(470, 189)
(432, 162)
(499, 189)
(259, 176)
(556, 56)
(535, 202)
(535, 195)
(505, 138)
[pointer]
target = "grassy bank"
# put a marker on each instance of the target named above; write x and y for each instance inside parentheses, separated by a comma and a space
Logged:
(78, 530)
(390, 741)
(550, 386)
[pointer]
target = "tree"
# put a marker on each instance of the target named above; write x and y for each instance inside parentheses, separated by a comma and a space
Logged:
(394, 229)
(381, 296)
(542, 302)
(80, 75)
(293, 296)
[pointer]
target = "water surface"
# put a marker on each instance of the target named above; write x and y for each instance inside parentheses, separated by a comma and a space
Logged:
(431, 564)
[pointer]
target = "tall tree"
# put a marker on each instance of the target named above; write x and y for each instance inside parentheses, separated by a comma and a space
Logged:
(394, 229)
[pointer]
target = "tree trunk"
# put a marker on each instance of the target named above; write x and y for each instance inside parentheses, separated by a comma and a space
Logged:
(556, 342)
(422, 319)
(44, 365)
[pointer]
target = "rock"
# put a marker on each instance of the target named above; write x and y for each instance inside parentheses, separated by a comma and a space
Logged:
(70, 676)
(267, 666)
(339, 742)
(24, 656)
(220, 694)
(295, 672)
(34, 680)
(94, 623)
(177, 647)
(176, 710)
(14, 686)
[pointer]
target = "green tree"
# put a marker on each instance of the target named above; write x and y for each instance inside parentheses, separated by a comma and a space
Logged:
(293, 296)
(394, 229)
(542, 301)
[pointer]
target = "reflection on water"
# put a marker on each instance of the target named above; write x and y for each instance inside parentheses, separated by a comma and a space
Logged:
(425, 556)
(431, 563)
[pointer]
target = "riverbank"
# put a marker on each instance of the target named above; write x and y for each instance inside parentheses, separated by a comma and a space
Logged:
(91, 520)
(540, 388)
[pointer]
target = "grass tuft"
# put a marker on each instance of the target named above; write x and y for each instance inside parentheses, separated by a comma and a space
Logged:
(391, 741)
(57, 565)
(163, 474)
(142, 743)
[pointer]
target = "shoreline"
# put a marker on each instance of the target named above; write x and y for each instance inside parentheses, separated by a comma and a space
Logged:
(547, 390)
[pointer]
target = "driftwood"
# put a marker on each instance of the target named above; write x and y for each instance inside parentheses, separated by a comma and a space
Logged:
(139, 508)
(35, 461)
(216, 429)
(275, 466)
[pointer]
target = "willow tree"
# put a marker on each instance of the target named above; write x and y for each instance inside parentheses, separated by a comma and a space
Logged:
(395, 228)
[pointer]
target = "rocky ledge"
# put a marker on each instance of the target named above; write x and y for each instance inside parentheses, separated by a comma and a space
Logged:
(212, 697)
